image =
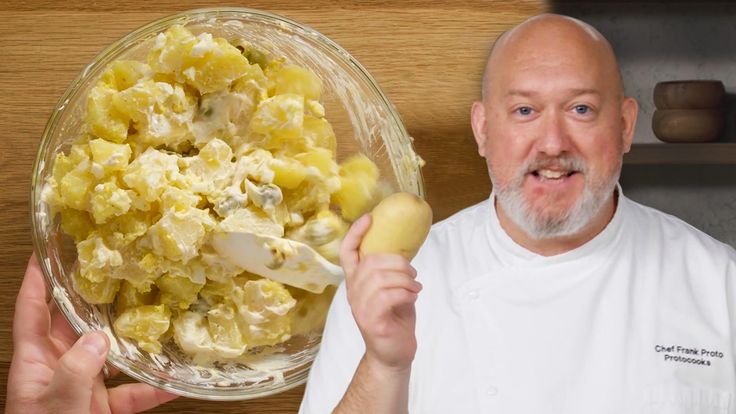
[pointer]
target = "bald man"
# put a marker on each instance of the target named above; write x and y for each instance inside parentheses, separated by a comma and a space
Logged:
(557, 294)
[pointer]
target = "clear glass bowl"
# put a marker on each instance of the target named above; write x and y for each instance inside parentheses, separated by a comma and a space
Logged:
(363, 119)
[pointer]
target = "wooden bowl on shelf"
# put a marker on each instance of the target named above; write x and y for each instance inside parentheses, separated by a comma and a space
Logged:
(689, 94)
(688, 125)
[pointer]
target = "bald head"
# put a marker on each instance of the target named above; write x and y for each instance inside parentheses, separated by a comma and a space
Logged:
(553, 127)
(552, 39)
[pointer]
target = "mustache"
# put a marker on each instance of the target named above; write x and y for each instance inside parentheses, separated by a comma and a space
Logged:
(563, 162)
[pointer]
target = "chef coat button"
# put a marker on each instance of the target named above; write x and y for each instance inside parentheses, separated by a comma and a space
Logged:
(491, 391)
(473, 294)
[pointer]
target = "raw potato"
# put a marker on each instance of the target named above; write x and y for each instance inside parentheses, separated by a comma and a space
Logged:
(400, 223)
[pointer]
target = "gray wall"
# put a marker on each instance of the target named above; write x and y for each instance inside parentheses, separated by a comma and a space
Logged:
(669, 41)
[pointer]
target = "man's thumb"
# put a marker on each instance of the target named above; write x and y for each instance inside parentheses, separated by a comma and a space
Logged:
(71, 386)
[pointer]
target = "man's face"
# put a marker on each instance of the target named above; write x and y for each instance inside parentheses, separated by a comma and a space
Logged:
(554, 138)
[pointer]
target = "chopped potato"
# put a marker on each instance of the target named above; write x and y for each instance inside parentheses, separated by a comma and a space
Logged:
(145, 324)
(207, 135)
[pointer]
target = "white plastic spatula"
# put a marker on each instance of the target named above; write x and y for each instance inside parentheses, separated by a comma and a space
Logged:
(283, 260)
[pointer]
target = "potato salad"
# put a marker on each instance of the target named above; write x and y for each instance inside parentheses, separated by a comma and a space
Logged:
(207, 135)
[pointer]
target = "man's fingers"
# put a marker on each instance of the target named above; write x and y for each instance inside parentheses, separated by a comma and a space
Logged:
(349, 256)
(388, 280)
(134, 398)
(396, 297)
(387, 261)
(31, 320)
(379, 295)
(74, 376)
(391, 300)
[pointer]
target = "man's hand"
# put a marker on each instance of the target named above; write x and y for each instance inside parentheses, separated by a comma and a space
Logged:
(381, 291)
(54, 372)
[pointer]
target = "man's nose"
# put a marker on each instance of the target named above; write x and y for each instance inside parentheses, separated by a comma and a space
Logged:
(554, 138)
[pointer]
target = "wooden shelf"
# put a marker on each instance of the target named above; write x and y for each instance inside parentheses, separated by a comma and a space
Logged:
(695, 153)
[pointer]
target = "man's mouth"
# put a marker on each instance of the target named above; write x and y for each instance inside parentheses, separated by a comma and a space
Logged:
(553, 174)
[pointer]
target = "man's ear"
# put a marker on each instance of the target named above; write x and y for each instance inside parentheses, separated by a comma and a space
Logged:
(478, 122)
(629, 113)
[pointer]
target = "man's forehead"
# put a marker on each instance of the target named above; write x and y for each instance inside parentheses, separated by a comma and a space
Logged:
(532, 76)
(551, 49)
(531, 93)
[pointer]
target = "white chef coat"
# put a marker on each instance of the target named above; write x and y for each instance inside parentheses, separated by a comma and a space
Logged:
(641, 319)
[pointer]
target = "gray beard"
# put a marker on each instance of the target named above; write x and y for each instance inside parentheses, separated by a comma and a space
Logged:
(541, 226)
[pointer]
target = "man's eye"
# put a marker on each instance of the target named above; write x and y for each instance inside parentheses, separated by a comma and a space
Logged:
(582, 109)
(524, 110)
